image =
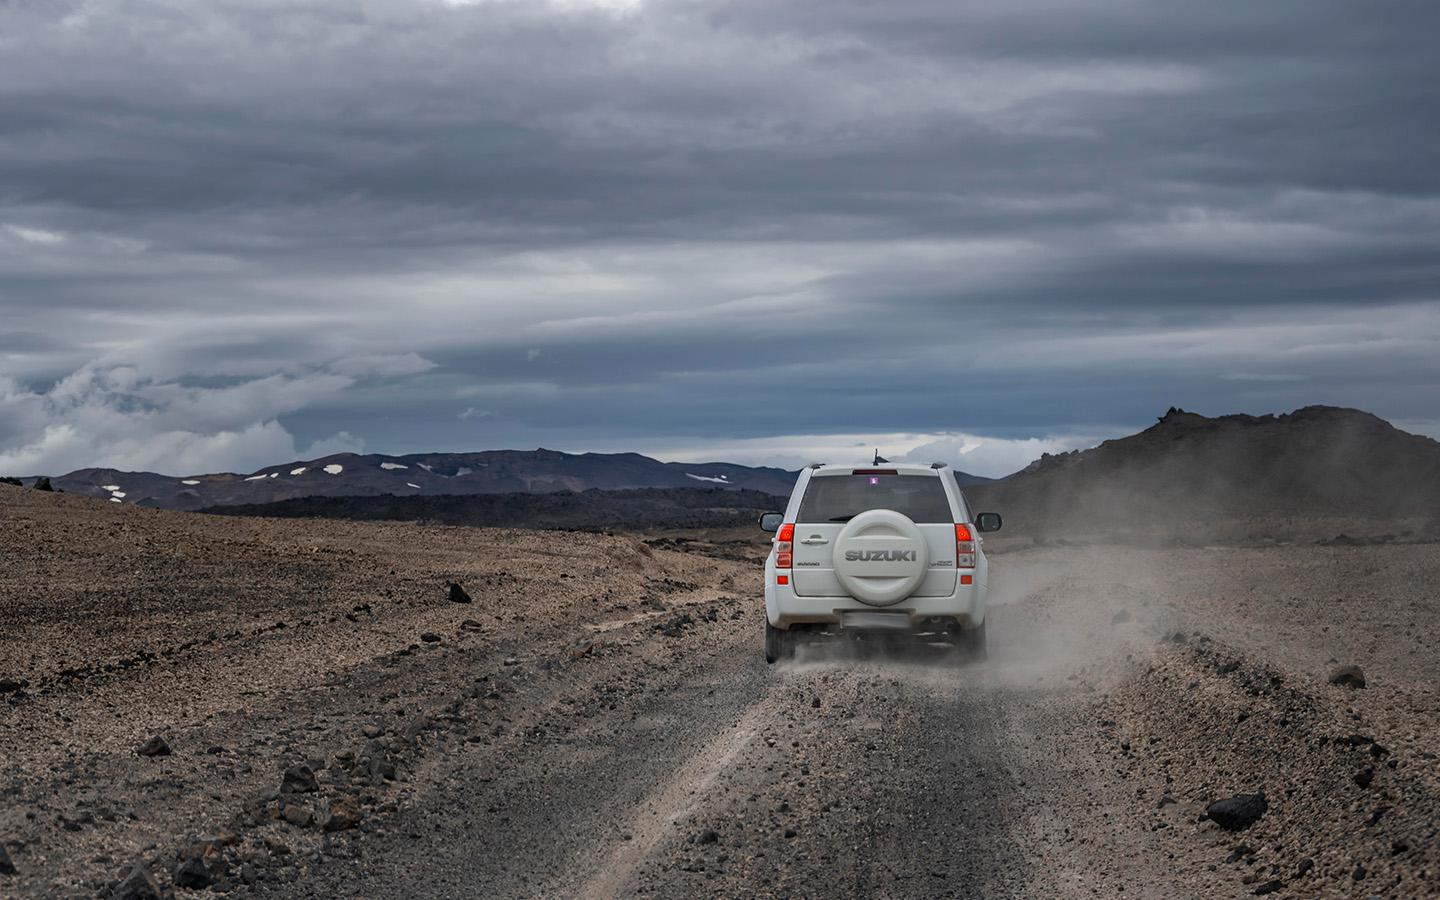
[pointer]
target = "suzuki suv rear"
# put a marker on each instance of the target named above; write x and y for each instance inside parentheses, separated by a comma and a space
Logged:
(866, 548)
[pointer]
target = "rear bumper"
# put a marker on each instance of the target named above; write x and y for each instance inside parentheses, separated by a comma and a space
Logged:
(783, 608)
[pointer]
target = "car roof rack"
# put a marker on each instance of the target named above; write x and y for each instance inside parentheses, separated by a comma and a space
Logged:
(938, 465)
(815, 465)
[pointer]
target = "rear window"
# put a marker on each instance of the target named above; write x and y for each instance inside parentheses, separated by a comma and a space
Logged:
(839, 498)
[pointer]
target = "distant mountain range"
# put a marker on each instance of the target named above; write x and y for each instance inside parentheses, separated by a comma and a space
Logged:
(1320, 461)
(424, 474)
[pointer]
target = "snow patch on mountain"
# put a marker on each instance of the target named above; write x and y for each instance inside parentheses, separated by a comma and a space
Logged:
(717, 479)
(334, 469)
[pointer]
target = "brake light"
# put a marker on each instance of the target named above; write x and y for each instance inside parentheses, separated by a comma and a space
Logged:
(964, 547)
(785, 547)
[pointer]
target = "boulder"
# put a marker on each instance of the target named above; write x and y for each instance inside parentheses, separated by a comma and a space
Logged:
(299, 780)
(1237, 812)
(457, 593)
(138, 885)
(155, 746)
(344, 813)
(42, 484)
(192, 874)
(1350, 676)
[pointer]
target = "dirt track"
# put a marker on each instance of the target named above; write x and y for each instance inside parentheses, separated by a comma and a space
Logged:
(615, 732)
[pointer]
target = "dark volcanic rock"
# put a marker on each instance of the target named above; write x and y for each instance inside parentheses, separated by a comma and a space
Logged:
(1237, 812)
(430, 637)
(192, 874)
(1347, 676)
(457, 593)
(344, 813)
(155, 746)
(138, 885)
(10, 685)
(6, 866)
(42, 484)
(1268, 887)
(299, 780)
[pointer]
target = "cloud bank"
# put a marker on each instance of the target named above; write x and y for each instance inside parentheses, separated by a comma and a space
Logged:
(231, 231)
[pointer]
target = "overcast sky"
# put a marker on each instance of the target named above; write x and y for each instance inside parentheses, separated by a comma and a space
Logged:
(237, 232)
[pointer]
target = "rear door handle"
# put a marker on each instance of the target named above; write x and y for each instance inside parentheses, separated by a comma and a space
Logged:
(815, 539)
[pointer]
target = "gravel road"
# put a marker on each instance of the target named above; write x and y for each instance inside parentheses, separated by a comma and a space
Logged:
(597, 720)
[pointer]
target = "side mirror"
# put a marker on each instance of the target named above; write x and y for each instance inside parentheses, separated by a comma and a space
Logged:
(771, 522)
(987, 521)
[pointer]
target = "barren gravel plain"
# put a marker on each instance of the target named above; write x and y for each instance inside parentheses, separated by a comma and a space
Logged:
(301, 708)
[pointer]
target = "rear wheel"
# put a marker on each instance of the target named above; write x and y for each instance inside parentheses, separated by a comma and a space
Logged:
(971, 643)
(779, 643)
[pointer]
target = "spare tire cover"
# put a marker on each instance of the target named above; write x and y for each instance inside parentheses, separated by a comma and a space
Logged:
(880, 557)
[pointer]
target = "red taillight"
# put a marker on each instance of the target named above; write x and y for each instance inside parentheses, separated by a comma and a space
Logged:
(785, 547)
(964, 547)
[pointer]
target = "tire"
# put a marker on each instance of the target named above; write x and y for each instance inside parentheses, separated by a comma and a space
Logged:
(972, 644)
(779, 644)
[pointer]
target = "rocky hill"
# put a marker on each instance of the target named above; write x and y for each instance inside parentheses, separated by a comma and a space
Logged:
(1318, 461)
(419, 474)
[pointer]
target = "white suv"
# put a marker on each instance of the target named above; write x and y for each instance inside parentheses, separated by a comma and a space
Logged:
(871, 547)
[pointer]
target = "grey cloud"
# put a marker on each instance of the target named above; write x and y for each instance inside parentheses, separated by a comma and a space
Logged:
(1012, 219)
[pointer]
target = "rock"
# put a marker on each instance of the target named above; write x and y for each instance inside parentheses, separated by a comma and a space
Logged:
(373, 731)
(1358, 874)
(1364, 777)
(457, 593)
(10, 685)
(470, 625)
(430, 637)
(155, 746)
(7, 867)
(1304, 867)
(299, 815)
(1237, 812)
(299, 780)
(1350, 676)
(138, 885)
(42, 484)
(344, 813)
(814, 702)
(708, 836)
(1120, 617)
(1240, 853)
(192, 874)
(1268, 887)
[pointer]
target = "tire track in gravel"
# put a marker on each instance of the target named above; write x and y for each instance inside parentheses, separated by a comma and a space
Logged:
(674, 801)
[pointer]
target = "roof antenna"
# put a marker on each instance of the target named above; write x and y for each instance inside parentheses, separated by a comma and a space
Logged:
(878, 458)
